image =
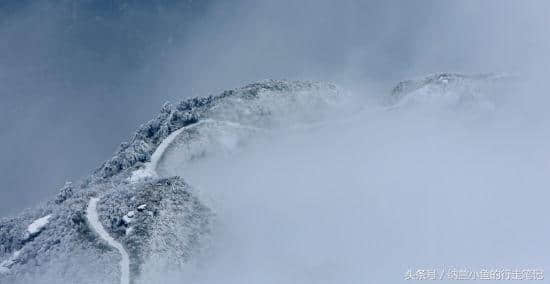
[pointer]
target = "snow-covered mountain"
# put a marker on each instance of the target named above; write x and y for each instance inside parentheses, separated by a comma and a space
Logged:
(153, 219)
(450, 90)
(130, 215)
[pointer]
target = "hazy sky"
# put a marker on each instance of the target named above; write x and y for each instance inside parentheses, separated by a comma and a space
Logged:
(77, 79)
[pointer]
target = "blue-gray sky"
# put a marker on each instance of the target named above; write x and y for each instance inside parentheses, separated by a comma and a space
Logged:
(77, 77)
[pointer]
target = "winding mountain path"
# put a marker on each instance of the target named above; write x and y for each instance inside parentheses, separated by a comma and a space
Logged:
(150, 168)
(95, 224)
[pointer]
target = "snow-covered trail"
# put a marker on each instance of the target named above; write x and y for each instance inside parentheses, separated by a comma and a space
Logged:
(91, 214)
(150, 169)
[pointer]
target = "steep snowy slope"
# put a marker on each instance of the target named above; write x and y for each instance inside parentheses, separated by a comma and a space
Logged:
(158, 222)
(133, 216)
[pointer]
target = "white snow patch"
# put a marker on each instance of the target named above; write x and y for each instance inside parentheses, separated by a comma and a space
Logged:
(38, 225)
(95, 224)
(8, 263)
(129, 230)
(142, 173)
(129, 217)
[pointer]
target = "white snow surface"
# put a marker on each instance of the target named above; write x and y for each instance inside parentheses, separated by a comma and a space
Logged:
(129, 217)
(149, 170)
(129, 230)
(6, 264)
(226, 141)
(96, 226)
(38, 224)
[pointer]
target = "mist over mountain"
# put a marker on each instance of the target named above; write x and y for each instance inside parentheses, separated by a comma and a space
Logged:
(108, 65)
(346, 141)
(285, 181)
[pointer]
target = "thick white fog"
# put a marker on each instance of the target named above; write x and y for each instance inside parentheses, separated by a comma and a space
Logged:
(80, 76)
(360, 198)
(365, 198)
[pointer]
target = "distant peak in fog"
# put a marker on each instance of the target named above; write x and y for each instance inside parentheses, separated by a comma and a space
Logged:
(450, 90)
